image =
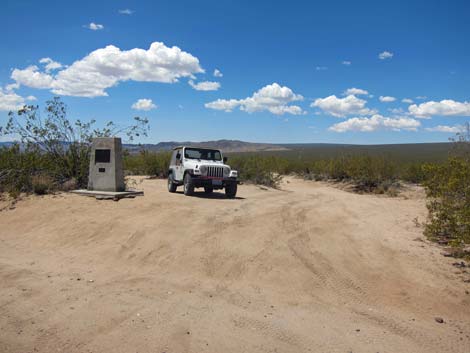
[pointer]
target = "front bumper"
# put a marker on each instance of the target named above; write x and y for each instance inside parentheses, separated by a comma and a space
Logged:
(216, 183)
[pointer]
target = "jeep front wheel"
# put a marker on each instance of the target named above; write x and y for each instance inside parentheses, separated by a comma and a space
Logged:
(171, 184)
(188, 186)
(231, 190)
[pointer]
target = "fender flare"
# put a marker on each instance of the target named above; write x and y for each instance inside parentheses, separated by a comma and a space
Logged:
(187, 171)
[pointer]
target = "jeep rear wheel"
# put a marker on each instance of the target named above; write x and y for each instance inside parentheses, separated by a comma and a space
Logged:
(231, 190)
(188, 186)
(171, 184)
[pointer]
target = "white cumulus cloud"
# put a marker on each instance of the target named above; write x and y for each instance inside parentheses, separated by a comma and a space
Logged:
(346, 62)
(387, 99)
(376, 122)
(94, 26)
(205, 85)
(355, 91)
(126, 12)
(341, 107)
(9, 100)
(50, 64)
(223, 104)
(32, 77)
(217, 73)
(106, 67)
(444, 128)
(12, 86)
(446, 107)
(273, 98)
(397, 111)
(407, 100)
(144, 104)
(385, 55)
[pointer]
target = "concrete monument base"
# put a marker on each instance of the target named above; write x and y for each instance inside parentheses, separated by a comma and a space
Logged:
(109, 195)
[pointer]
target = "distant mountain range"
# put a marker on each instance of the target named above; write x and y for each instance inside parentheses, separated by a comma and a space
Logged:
(224, 145)
(412, 151)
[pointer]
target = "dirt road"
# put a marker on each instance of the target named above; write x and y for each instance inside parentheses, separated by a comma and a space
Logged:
(309, 268)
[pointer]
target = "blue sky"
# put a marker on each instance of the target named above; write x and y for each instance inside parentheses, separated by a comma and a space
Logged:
(297, 71)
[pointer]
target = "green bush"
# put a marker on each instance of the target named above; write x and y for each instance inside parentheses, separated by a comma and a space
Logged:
(413, 173)
(17, 169)
(260, 170)
(448, 191)
(42, 184)
(148, 163)
(368, 173)
(27, 171)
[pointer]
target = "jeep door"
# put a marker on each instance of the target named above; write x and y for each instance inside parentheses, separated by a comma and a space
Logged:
(179, 165)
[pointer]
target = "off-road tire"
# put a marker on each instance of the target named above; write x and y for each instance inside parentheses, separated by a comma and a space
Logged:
(188, 186)
(171, 184)
(208, 189)
(231, 190)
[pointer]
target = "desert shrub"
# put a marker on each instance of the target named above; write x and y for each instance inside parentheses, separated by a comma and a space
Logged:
(328, 169)
(448, 190)
(368, 173)
(371, 173)
(413, 173)
(260, 170)
(42, 184)
(148, 163)
(318, 170)
(30, 170)
(18, 167)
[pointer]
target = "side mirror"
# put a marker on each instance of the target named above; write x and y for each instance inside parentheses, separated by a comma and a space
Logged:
(225, 159)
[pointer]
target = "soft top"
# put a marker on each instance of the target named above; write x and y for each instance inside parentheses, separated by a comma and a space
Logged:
(201, 148)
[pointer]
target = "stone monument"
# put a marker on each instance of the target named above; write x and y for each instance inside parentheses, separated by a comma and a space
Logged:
(106, 170)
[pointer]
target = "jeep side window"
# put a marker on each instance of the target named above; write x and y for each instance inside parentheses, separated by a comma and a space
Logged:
(178, 157)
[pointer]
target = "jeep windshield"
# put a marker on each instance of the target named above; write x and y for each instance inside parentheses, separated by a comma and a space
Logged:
(202, 153)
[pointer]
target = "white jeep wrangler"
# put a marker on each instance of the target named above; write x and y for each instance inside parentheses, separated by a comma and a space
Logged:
(195, 167)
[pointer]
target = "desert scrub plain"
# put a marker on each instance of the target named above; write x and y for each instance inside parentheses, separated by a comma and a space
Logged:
(293, 264)
(54, 154)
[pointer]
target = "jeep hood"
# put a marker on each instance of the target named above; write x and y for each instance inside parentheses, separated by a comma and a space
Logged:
(197, 162)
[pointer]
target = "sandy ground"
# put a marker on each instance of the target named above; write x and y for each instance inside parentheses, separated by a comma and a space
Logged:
(309, 268)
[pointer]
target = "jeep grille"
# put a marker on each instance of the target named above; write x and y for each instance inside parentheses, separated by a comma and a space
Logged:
(213, 171)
